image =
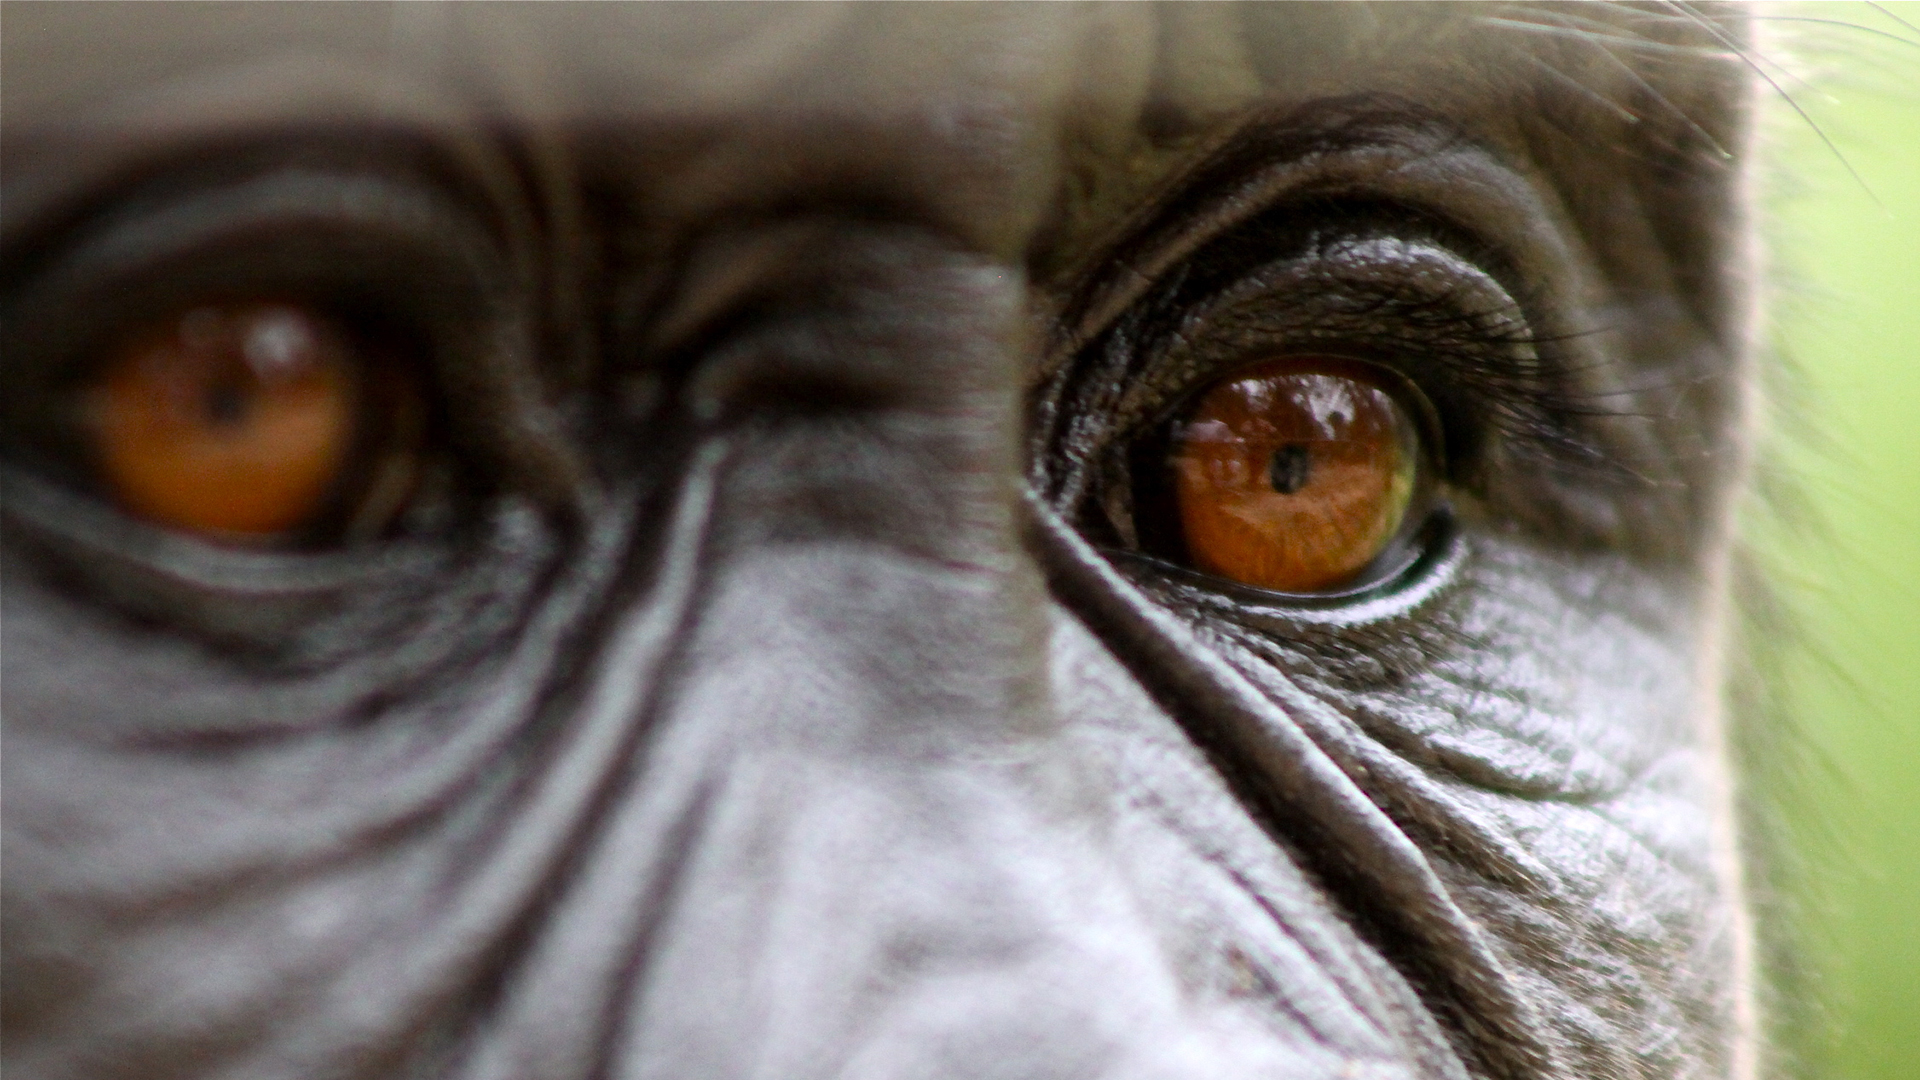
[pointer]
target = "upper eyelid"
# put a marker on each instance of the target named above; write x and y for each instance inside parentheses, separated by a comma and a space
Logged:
(1271, 310)
(123, 234)
(1425, 166)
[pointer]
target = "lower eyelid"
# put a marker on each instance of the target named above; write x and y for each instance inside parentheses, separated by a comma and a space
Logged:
(1420, 571)
(77, 527)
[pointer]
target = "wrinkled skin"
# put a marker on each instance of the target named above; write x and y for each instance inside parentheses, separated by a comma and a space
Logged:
(784, 709)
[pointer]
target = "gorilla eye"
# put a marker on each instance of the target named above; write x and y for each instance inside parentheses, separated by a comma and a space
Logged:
(1298, 475)
(252, 422)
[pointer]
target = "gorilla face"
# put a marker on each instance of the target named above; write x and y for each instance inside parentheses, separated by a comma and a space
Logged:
(912, 541)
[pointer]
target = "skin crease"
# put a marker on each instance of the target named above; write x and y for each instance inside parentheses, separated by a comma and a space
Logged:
(791, 699)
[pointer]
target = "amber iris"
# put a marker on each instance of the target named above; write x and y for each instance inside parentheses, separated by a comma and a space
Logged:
(234, 421)
(1294, 474)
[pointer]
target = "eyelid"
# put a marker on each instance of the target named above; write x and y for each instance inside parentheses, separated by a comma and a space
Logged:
(1433, 543)
(1383, 151)
(1432, 566)
(144, 232)
(1415, 309)
(175, 562)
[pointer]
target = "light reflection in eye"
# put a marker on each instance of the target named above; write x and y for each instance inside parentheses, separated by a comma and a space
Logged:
(246, 422)
(1294, 474)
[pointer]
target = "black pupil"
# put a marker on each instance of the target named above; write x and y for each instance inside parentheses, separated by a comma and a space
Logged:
(1289, 467)
(226, 404)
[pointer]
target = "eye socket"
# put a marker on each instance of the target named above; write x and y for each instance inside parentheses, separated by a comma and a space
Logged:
(253, 422)
(1297, 474)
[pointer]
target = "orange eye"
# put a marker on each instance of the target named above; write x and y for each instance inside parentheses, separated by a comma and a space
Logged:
(235, 421)
(1294, 474)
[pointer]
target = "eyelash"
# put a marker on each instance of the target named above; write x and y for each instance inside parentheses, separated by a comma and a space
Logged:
(1477, 371)
(1378, 284)
(1498, 362)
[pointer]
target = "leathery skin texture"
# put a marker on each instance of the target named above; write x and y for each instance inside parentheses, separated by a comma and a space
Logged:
(793, 696)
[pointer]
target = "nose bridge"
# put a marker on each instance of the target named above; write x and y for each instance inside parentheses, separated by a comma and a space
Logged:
(856, 846)
(868, 380)
(869, 407)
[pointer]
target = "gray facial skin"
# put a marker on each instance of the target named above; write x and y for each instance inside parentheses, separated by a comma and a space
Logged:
(790, 694)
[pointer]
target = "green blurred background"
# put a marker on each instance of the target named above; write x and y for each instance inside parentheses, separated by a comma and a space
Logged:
(1846, 244)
